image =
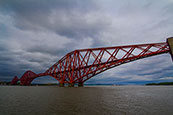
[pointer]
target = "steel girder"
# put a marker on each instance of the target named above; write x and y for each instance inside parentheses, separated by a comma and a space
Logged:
(80, 65)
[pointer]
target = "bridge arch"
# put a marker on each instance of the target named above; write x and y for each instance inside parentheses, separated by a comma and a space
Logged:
(45, 80)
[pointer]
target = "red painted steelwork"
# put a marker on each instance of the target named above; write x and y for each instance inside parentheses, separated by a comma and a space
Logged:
(80, 65)
(14, 81)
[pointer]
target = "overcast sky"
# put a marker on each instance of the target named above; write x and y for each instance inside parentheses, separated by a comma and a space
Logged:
(34, 34)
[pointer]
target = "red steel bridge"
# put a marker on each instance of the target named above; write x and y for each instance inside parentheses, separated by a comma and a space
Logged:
(80, 65)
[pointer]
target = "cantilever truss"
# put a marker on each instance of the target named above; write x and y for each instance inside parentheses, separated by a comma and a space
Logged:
(80, 65)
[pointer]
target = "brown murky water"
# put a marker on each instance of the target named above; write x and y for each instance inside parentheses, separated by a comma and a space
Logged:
(100, 100)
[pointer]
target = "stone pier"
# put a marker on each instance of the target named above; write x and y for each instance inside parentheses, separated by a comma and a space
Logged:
(71, 85)
(61, 84)
(80, 84)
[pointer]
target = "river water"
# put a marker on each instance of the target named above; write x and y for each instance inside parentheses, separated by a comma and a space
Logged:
(93, 100)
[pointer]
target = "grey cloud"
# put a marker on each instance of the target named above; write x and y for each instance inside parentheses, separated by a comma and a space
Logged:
(35, 34)
(75, 20)
(64, 17)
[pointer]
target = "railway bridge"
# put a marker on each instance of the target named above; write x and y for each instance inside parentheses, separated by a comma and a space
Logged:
(80, 65)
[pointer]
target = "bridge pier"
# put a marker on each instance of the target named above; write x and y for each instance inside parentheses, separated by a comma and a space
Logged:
(71, 85)
(170, 43)
(80, 84)
(61, 84)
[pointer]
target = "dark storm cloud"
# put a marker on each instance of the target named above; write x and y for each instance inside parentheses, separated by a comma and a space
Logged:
(37, 33)
(67, 18)
(74, 19)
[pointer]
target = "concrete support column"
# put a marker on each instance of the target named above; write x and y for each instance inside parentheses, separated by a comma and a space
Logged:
(170, 43)
(71, 85)
(61, 84)
(80, 84)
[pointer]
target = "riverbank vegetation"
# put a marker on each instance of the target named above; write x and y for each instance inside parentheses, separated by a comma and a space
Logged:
(161, 83)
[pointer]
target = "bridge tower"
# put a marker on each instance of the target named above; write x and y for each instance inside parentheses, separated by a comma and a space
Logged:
(170, 44)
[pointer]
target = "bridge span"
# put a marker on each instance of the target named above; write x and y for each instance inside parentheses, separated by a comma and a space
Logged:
(80, 65)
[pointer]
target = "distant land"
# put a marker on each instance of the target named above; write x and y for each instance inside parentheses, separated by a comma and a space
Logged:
(46, 84)
(4, 83)
(51, 84)
(161, 83)
(54, 84)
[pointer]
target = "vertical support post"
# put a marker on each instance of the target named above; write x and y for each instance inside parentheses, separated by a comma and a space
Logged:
(170, 43)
